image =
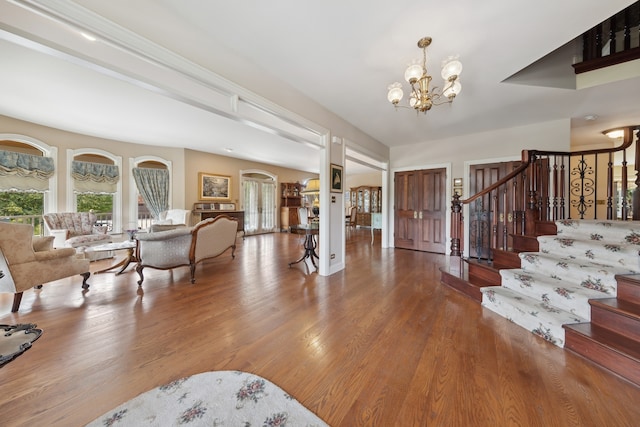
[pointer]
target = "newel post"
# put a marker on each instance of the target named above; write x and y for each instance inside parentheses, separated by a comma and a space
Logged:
(456, 225)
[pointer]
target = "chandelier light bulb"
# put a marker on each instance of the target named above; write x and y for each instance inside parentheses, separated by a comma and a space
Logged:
(453, 89)
(395, 93)
(451, 68)
(413, 73)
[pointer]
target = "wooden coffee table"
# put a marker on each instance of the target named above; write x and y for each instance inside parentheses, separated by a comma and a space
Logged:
(128, 245)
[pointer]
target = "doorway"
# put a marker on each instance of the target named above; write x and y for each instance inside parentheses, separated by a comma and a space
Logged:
(420, 210)
(259, 202)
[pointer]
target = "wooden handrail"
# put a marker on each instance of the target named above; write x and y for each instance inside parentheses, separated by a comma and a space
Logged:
(527, 158)
(627, 140)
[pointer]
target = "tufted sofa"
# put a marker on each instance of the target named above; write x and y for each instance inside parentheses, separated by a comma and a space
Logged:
(78, 230)
(28, 261)
(186, 246)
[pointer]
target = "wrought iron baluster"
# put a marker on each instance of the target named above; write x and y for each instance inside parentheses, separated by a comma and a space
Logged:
(582, 187)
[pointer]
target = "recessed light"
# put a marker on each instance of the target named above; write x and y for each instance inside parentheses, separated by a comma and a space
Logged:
(590, 117)
(228, 150)
(88, 36)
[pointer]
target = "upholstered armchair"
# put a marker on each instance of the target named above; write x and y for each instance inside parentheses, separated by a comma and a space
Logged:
(28, 261)
(186, 246)
(78, 230)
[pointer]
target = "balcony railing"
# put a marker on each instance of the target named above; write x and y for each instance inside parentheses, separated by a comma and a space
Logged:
(611, 42)
(35, 220)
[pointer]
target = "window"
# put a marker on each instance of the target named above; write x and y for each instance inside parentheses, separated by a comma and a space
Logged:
(95, 184)
(27, 179)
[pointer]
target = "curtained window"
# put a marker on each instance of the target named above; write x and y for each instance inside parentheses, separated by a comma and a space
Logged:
(153, 186)
(25, 172)
(91, 177)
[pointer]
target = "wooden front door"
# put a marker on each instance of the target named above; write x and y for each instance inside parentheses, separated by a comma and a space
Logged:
(420, 210)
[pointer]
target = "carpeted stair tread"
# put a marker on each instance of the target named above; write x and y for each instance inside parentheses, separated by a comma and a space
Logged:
(615, 253)
(588, 273)
(565, 294)
(553, 286)
(540, 318)
(621, 231)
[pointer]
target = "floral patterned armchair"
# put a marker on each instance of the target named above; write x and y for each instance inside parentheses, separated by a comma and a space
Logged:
(78, 230)
(28, 261)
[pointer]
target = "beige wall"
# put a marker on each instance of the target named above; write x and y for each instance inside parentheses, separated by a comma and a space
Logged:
(496, 144)
(197, 161)
(185, 163)
(373, 179)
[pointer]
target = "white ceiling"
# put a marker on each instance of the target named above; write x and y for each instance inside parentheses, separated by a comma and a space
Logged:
(340, 54)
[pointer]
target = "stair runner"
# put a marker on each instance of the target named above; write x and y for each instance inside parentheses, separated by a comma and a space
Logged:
(553, 286)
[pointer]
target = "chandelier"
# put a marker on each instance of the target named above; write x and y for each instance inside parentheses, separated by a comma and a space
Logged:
(421, 98)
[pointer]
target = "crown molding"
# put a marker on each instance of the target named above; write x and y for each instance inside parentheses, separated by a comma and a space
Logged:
(242, 105)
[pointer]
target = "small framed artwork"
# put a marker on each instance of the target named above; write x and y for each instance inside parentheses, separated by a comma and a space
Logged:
(214, 187)
(336, 178)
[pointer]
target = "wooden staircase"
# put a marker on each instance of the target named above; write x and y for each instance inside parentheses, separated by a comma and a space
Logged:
(610, 340)
(481, 273)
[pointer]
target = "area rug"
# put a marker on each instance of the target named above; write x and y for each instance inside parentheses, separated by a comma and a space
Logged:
(218, 398)
(16, 339)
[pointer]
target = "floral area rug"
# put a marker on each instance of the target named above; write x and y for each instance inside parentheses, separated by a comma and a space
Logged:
(219, 398)
(553, 286)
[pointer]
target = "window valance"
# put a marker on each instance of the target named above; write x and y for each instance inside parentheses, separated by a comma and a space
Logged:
(94, 177)
(25, 172)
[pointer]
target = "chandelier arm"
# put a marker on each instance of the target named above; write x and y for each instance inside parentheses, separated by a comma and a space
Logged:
(447, 101)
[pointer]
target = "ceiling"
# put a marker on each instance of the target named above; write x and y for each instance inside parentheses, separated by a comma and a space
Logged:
(336, 56)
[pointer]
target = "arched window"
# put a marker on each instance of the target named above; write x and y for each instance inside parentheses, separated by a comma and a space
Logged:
(28, 179)
(94, 183)
(140, 214)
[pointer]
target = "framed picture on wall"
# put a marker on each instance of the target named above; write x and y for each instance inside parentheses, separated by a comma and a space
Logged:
(214, 187)
(336, 178)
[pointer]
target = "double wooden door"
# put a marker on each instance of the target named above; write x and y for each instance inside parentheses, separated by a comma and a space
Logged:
(420, 210)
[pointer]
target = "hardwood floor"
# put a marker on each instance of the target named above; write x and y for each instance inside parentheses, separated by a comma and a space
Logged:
(381, 343)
